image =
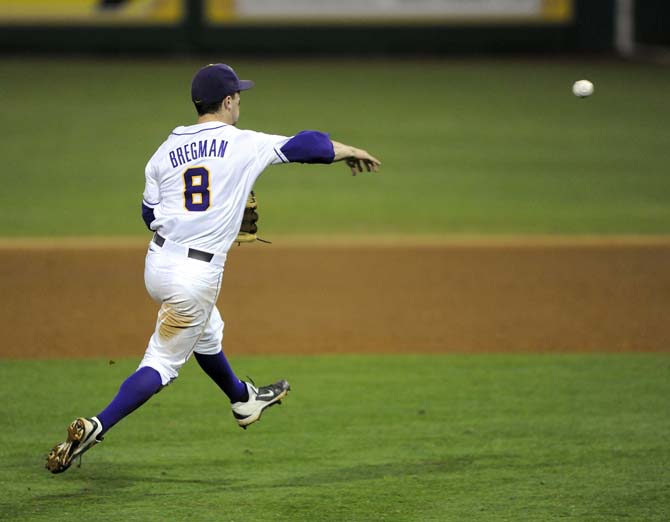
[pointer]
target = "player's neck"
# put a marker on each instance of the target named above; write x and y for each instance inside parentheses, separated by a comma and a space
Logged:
(218, 117)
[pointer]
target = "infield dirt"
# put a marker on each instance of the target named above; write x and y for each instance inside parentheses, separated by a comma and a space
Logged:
(88, 300)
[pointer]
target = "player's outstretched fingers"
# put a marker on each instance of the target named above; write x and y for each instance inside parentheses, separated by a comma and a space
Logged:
(354, 165)
(370, 161)
(362, 160)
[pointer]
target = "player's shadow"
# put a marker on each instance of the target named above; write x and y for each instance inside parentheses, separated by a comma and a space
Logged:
(108, 479)
(101, 482)
(380, 471)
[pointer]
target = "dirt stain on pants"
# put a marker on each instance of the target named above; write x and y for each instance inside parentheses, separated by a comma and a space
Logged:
(172, 321)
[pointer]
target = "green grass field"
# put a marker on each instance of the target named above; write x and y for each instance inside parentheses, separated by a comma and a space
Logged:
(468, 146)
(361, 438)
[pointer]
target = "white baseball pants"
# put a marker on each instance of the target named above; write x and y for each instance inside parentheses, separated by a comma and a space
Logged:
(188, 320)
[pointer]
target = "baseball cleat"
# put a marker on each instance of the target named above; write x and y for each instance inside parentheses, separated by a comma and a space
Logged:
(248, 412)
(82, 435)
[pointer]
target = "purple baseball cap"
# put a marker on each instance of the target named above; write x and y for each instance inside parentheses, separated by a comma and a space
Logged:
(215, 81)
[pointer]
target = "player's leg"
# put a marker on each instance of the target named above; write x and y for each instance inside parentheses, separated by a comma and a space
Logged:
(247, 401)
(214, 363)
(178, 327)
(135, 391)
(84, 433)
(187, 290)
(187, 301)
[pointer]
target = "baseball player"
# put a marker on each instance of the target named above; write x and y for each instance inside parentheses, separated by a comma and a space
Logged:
(197, 184)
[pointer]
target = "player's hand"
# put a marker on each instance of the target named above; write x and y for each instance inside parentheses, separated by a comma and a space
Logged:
(360, 160)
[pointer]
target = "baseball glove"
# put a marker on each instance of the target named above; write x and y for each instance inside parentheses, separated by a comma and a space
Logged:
(248, 228)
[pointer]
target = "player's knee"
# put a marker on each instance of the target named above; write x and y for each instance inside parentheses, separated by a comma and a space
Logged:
(168, 370)
(208, 347)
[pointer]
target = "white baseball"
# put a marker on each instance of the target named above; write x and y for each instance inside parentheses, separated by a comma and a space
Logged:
(582, 88)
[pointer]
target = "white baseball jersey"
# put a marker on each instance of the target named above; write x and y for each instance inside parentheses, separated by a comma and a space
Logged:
(197, 184)
(198, 180)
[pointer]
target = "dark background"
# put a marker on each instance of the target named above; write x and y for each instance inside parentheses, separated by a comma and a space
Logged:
(590, 31)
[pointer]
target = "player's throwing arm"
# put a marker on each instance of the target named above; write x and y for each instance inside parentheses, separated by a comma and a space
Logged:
(357, 159)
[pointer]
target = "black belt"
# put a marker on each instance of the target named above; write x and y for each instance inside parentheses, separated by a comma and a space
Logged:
(192, 252)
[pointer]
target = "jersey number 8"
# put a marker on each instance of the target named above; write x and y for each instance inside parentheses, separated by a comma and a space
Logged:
(196, 189)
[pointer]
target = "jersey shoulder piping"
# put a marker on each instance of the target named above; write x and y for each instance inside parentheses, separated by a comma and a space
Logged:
(281, 156)
(196, 132)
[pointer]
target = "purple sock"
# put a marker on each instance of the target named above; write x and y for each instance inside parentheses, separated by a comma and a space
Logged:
(218, 369)
(135, 391)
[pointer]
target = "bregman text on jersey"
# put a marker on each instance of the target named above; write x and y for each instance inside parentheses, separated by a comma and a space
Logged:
(199, 149)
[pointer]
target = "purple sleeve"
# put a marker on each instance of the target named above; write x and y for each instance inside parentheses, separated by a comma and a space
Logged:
(309, 147)
(148, 215)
